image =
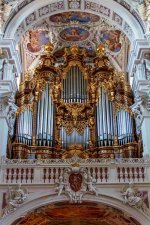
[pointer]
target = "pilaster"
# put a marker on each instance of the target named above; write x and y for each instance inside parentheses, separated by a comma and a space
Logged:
(139, 69)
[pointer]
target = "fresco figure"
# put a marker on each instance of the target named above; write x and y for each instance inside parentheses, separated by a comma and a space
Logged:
(37, 39)
(67, 17)
(74, 34)
(112, 39)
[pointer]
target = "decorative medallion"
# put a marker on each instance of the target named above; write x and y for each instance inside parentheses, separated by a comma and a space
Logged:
(80, 17)
(75, 180)
(74, 34)
(74, 4)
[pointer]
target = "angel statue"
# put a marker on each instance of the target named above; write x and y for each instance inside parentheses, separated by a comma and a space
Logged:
(133, 197)
(20, 194)
(15, 197)
(89, 181)
(60, 186)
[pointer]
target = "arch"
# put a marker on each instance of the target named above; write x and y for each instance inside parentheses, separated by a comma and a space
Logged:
(53, 198)
(36, 10)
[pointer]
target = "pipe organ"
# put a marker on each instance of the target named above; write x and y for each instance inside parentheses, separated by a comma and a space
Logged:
(74, 108)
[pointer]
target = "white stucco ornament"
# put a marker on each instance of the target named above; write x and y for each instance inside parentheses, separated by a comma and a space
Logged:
(15, 198)
(76, 182)
(133, 197)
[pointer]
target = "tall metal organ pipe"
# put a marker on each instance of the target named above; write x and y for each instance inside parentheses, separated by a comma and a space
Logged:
(45, 116)
(24, 127)
(124, 127)
(104, 120)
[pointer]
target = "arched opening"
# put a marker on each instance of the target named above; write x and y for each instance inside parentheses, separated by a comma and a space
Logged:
(76, 214)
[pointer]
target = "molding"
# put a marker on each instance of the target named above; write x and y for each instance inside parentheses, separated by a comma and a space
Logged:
(10, 46)
(8, 86)
(28, 206)
(141, 46)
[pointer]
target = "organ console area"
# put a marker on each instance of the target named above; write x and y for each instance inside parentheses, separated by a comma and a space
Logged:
(76, 107)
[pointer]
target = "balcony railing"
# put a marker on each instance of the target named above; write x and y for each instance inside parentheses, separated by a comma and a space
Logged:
(48, 171)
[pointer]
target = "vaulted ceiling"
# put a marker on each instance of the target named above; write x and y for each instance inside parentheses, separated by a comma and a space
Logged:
(81, 28)
(115, 23)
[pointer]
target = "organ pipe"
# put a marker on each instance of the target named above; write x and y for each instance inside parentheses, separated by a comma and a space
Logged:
(104, 120)
(44, 133)
(24, 127)
(74, 86)
(124, 127)
(75, 138)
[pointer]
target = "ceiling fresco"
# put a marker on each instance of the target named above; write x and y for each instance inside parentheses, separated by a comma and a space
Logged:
(76, 214)
(37, 38)
(67, 17)
(64, 29)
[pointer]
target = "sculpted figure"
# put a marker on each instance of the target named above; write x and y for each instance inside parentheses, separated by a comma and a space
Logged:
(15, 197)
(132, 197)
(75, 184)
(61, 186)
(89, 181)
(20, 195)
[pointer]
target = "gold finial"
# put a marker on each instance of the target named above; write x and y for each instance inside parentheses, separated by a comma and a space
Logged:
(48, 48)
(74, 49)
(100, 50)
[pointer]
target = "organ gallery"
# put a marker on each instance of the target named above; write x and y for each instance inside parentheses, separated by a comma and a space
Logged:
(74, 107)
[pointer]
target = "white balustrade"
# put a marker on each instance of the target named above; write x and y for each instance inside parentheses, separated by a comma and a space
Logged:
(48, 171)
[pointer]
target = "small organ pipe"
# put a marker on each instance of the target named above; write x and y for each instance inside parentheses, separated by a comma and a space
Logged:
(74, 138)
(74, 86)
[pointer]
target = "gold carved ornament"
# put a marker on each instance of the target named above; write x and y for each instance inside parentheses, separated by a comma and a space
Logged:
(72, 117)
